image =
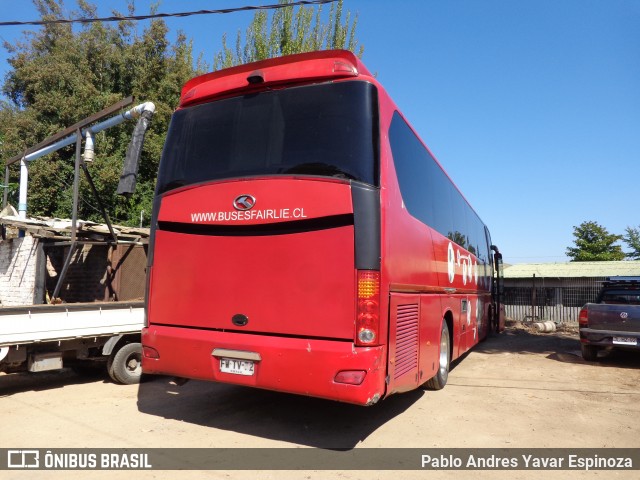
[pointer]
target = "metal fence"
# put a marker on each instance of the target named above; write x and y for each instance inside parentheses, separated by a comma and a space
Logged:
(559, 299)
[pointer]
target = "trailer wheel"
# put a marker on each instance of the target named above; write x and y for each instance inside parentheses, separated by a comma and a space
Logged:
(589, 352)
(125, 364)
(444, 358)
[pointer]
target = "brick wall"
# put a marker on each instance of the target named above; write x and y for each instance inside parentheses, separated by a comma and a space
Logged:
(19, 283)
(86, 278)
(30, 269)
(97, 272)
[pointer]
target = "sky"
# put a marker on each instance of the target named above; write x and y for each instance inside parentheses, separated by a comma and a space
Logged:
(531, 106)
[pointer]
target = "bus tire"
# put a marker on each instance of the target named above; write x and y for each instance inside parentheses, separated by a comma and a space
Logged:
(589, 352)
(444, 361)
(125, 364)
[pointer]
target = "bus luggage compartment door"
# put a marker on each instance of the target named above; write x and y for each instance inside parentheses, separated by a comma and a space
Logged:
(404, 342)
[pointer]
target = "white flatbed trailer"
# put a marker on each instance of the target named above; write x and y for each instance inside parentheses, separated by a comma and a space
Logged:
(80, 335)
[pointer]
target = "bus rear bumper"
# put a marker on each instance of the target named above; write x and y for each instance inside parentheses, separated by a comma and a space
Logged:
(292, 365)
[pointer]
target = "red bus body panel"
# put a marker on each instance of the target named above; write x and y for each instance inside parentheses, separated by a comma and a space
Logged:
(280, 199)
(292, 365)
(298, 283)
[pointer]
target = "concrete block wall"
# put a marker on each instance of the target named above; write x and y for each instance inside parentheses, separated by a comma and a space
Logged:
(19, 272)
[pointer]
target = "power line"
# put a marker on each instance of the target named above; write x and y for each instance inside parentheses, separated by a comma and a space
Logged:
(166, 15)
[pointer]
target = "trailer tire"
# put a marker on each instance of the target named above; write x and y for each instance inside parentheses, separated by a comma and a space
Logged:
(444, 361)
(125, 364)
(589, 352)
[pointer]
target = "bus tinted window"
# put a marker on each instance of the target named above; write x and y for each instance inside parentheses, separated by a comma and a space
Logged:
(430, 196)
(326, 129)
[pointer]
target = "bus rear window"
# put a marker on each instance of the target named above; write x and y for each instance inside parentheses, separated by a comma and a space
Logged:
(327, 129)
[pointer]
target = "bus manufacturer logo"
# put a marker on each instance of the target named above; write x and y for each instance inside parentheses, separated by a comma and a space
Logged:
(624, 314)
(244, 202)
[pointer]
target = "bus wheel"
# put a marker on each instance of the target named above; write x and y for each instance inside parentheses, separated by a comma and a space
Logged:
(444, 358)
(125, 364)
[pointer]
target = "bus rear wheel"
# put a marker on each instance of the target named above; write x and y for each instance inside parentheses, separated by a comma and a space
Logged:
(444, 360)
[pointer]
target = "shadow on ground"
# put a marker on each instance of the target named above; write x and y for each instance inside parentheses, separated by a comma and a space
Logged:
(284, 417)
(562, 346)
(13, 383)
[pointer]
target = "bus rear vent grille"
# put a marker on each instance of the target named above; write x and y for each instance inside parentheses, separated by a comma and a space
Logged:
(406, 340)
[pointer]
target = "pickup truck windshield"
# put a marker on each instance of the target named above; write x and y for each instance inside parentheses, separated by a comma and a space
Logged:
(326, 129)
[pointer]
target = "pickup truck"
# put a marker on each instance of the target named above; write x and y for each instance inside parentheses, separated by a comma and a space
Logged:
(613, 320)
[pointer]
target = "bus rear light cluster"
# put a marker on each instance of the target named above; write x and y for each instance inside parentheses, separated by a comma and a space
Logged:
(368, 311)
(350, 377)
(150, 352)
(583, 318)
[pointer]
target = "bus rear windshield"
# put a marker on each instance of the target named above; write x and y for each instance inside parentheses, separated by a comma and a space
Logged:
(328, 129)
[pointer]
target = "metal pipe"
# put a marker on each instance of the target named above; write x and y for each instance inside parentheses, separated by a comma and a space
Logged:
(110, 122)
(76, 185)
(63, 273)
(5, 195)
(22, 197)
(131, 114)
(103, 210)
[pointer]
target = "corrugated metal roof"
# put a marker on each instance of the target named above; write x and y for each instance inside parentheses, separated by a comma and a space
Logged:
(573, 269)
(56, 227)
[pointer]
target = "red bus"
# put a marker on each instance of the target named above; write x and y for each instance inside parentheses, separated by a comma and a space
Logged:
(305, 240)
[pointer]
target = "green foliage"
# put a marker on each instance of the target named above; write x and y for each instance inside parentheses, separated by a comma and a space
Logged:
(60, 76)
(594, 243)
(289, 32)
(632, 239)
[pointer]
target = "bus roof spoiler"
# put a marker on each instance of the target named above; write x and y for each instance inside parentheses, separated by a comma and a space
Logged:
(302, 67)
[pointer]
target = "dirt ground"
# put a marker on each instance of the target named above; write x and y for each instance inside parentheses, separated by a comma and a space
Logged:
(517, 389)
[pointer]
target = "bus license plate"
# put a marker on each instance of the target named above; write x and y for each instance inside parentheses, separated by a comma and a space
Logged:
(237, 367)
(625, 341)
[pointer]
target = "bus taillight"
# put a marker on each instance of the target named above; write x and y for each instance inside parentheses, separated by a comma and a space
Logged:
(368, 313)
(150, 352)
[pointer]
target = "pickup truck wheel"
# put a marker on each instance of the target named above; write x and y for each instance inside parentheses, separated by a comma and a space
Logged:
(125, 364)
(589, 352)
(444, 358)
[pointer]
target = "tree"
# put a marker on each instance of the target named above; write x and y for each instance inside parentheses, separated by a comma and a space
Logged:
(61, 75)
(594, 243)
(288, 33)
(632, 239)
